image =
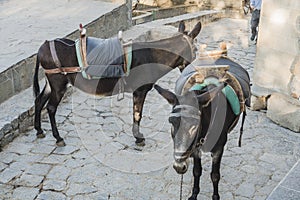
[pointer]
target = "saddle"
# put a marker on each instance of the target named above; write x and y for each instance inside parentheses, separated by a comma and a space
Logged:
(103, 58)
(212, 69)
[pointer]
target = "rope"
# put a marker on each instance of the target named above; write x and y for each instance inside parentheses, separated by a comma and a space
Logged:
(181, 182)
(61, 41)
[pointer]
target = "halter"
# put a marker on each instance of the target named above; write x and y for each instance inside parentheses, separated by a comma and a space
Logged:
(186, 111)
(193, 55)
(190, 112)
(187, 38)
(194, 113)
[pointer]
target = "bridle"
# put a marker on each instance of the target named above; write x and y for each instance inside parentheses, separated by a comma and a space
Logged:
(189, 111)
(187, 38)
(193, 54)
(186, 111)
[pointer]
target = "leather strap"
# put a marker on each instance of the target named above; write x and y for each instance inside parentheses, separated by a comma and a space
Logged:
(127, 50)
(83, 50)
(53, 54)
(190, 45)
(64, 70)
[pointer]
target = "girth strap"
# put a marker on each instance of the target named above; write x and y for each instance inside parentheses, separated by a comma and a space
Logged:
(63, 70)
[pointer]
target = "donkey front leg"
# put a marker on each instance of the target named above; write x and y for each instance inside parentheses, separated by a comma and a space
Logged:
(139, 96)
(215, 173)
(197, 172)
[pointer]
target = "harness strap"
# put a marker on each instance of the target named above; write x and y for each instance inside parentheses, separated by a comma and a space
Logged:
(53, 54)
(185, 106)
(242, 128)
(190, 44)
(80, 60)
(64, 70)
(185, 112)
(83, 46)
(234, 83)
(127, 49)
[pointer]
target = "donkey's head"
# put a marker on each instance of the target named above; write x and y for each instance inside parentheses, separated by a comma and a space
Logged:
(186, 121)
(189, 52)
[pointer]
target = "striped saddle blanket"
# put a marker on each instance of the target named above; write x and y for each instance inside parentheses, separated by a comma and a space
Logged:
(105, 58)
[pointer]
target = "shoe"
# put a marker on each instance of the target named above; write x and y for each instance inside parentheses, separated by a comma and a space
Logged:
(252, 37)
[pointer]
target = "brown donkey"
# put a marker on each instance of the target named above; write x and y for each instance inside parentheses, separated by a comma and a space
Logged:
(150, 61)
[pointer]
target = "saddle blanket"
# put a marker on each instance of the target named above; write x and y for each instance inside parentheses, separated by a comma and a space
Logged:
(235, 69)
(105, 57)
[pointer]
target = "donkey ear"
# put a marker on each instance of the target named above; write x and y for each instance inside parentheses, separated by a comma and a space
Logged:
(205, 98)
(169, 96)
(181, 27)
(196, 30)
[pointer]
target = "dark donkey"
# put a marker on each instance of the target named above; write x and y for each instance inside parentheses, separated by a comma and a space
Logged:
(206, 107)
(150, 61)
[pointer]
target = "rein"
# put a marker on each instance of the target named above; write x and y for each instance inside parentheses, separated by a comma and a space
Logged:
(181, 183)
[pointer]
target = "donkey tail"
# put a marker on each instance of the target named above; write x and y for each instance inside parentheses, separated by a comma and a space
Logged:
(36, 86)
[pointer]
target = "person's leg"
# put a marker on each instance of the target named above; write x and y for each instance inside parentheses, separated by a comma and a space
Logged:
(254, 23)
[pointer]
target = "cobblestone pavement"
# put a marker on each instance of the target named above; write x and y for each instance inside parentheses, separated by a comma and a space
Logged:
(101, 161)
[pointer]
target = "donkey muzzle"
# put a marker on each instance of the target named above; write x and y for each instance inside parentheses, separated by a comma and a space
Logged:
(181, 167)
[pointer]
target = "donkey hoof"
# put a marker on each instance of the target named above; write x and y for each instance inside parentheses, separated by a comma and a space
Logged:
(61, 143)
(140, 142)
(40, 135)
(216, 197)
(193, 198)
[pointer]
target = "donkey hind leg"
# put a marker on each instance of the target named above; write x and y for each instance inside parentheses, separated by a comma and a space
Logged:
(139, 96)
(53, 102)
(197, 172)
(39, 103)
(215, 173)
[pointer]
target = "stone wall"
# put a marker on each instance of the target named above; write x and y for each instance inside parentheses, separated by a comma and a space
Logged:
(19, 76)
(222, 4)
(277, 64)
(225, 5)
